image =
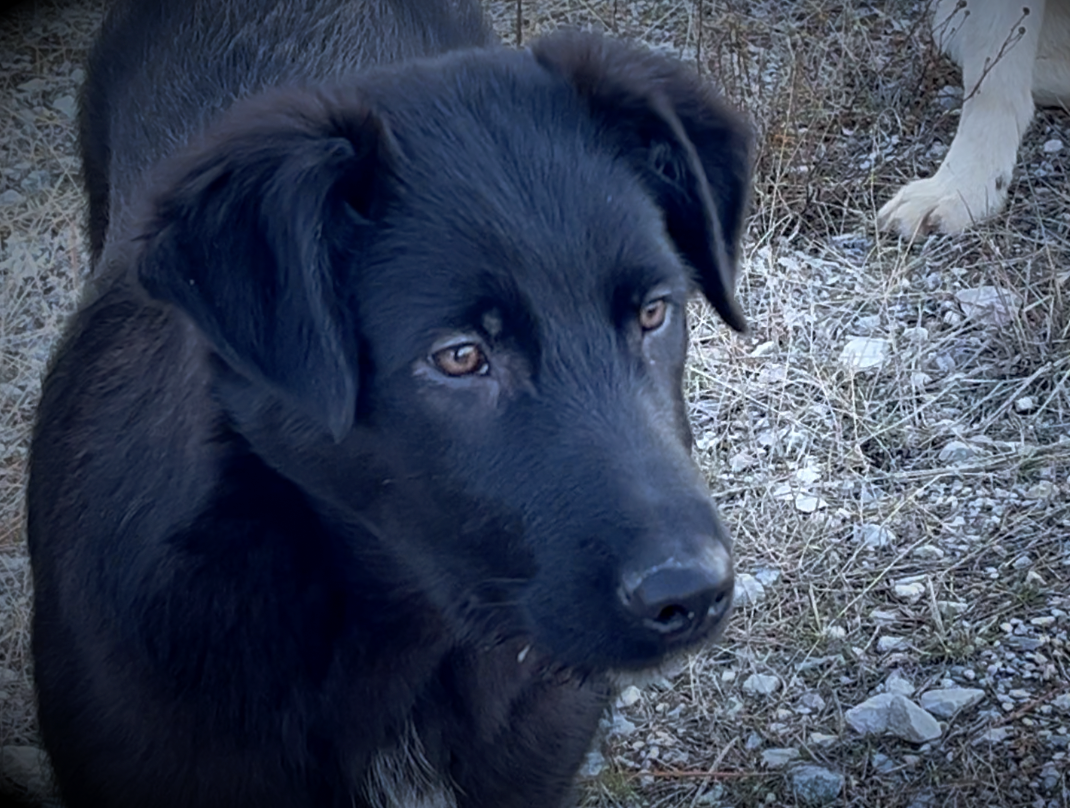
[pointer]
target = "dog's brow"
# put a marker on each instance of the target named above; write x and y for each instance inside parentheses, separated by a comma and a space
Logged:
(492, 322)
(633, 281)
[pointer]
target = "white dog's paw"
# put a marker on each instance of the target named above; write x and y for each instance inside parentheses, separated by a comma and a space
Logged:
(940, 205)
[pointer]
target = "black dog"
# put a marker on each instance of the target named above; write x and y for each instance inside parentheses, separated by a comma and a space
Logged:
(367, 460)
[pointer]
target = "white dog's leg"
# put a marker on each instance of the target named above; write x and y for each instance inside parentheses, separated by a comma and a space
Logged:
(996, 43)
(1051, 73)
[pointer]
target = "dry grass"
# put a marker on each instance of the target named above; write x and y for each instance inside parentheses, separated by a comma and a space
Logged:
(41, 261)
(845, 96)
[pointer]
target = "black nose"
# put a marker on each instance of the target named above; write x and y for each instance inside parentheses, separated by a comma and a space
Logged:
(681, 601)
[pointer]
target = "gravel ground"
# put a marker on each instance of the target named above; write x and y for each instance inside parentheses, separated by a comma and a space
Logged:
(890, 445)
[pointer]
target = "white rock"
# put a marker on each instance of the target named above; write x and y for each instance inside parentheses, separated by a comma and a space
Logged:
(898, 683)
(949, 96)
(872, 535)
(1022, 562)
(910, 722)
(593, 765)
(1034, 578)
(928, 552)
(763, 349)
(948, 702)
(884, 617)
(821, 739)
(912, 579)
(1025, 404)
(892, 712)
(783, 491)
(870, 494)
(629, 696)
(816, 785)
(1052, 146)
(767, 575)
(957, 452)
(808, 503)
(66, 105)
(767, 437)
(994, 735)
(33, 85)
(945, 363)
(920, 379)
(1042, 490)
(812, 700)
(621, 726)
(881, 762)
(911, 592)
(760, 684)
(772, 374)
(871, 716)
(741, 461)
(992, 304)
(887, 644)
(951, 608)
(869, 323)
(777, 758)
(862, 353)
(713, 797)
(748, 590)
(918, 333)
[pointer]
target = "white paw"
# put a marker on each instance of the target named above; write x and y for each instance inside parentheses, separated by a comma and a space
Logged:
(941, 205)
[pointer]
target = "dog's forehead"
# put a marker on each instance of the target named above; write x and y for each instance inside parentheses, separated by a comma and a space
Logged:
(501, 170)
(570, 246)
(510, 205)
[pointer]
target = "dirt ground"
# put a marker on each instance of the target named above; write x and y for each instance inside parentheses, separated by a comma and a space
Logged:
(901, 528)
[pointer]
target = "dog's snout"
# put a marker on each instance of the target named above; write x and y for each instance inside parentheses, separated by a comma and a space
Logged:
(680, 600)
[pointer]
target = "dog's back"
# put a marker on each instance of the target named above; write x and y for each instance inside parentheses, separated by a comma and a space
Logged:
(226, 51)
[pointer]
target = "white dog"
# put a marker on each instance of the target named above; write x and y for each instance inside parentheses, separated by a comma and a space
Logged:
(1012, 53)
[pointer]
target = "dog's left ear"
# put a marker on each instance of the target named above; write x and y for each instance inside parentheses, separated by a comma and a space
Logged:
(692, 151)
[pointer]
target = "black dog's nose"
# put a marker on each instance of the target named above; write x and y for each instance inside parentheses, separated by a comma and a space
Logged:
(681, 601)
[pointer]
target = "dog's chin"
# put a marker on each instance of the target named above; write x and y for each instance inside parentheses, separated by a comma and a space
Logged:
(642, 672)
(664, 668)
(620, 665)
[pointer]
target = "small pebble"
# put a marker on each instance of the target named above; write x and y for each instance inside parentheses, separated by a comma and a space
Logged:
(910, 592)
(760, 684)
(777, 758)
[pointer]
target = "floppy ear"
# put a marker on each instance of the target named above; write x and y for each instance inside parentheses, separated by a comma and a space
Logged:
(693, 153)
(253, 235)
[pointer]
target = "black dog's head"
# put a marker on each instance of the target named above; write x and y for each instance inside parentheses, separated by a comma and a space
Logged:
(450, 305)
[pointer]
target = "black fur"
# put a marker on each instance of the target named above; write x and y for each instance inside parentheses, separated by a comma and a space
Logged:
(283, 558)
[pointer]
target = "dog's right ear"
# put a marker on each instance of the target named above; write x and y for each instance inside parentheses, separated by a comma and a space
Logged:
(692, 151)
(253, 235)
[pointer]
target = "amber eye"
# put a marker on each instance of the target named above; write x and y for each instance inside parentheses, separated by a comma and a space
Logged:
(465, 359)
(652, 314)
